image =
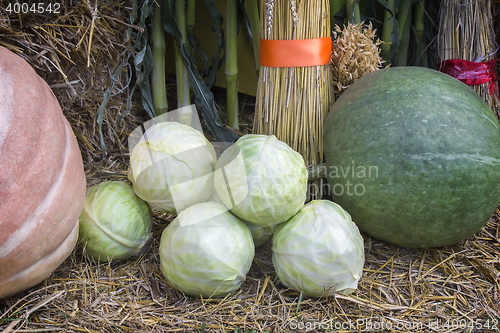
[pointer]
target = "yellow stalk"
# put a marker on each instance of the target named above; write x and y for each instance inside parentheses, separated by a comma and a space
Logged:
(292, 103)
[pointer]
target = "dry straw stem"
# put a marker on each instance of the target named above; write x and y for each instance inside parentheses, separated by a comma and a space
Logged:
(466, 32)
(75, 52)
(292, 102)
(355, 52)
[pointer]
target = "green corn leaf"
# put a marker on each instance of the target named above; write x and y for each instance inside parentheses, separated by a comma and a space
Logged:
(204, 99)
(339, 17)
(143, 61)
(210, 72)
(123, 60)
(431, 30)
(369, 13)
(384, 4)
(353, 13)
(246, 21)
(252, 24)
(209, 66)
(143, 67)
(241, 17)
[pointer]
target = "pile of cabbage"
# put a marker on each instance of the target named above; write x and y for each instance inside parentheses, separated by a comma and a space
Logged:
(225, 207)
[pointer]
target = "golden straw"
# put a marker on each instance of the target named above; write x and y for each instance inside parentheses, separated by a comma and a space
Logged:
(292, 103)
(466, 32)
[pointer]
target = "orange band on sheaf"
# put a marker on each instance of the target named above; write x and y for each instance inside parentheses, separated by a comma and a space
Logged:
(295, 53)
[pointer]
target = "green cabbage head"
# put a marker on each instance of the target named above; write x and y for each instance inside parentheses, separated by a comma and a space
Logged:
(172, 167)
(261, 180)
(114, 223)
(260, 233)
(206, 251)
(319, 251)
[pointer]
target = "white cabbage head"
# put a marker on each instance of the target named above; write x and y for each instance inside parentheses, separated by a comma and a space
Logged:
(206, 251)
(114, 223)
(319, 251)
(172, 167)
(261, 233)
(261, 180)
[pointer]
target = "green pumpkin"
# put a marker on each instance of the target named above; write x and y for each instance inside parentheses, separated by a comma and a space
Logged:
(414, 156)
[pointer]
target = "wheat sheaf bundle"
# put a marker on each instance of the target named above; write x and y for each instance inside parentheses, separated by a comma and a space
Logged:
(292, 102)
(355, 52)
(466, 32)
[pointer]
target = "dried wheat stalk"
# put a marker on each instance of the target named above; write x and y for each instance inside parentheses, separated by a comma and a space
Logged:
(466, 32)
(292, 103)
(355, 52)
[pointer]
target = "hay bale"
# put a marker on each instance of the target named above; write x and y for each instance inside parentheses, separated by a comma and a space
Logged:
(75, 52)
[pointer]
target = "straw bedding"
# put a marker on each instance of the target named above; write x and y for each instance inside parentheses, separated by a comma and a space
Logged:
(448, 289)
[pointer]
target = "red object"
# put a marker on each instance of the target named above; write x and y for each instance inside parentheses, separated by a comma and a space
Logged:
(471, 73)
(295, 53)
(42, 181)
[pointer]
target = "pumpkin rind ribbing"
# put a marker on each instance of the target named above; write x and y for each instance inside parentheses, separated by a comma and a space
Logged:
(42, 182)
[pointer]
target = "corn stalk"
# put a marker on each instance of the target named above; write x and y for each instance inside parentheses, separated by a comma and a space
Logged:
(352, 11)
(390, 32)
(404, 23)
(200, 88)
(190, 21)
(231, 70)
(335, 8)
(158, 73)
(421, 53)
(253, 18)
(182, 76)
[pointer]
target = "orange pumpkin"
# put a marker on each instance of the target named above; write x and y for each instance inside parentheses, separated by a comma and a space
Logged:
(42, 182)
